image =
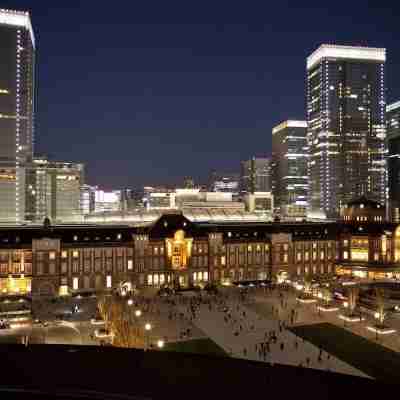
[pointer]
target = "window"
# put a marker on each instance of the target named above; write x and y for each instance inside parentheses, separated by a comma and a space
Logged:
(285, 246)
(314, 245)
(200, 276)
(285, 258)
(130, 264)
(345, 255)
(205, 275)
(249, 248)
(345, 242)
(267, 247)
(306, 255)
(314, 255)
(75, 254)
(298, 257)
(223, 260)
(155, 251)
(298, 270)
(322, 255)
(150, 280)
(75, 283)
(314, 269)
(194, 276)
(162, 279)
(155, 279)
(52, 255)
(376, 256)
(108, 282)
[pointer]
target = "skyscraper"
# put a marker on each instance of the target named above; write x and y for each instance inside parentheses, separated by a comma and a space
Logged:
(16, 112)
(57, 190)
(289, 169)
(393, 135)
(346, 126)
(256, 172)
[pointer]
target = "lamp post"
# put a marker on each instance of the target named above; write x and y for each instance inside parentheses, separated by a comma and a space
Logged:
(376, 315)
(147, 328)
(130, 302)
(345, 305)
(160, 344)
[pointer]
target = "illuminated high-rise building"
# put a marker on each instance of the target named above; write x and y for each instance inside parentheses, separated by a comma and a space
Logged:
(17, 78)
(289, 169)
(256, 175)
(346, 126)
(393, 135)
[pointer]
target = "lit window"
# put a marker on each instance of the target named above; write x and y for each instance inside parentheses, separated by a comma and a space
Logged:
(249, 247)
(130, 264)
(314, 245)
(345, 255)
(298, 256)
(298, 270)
(75, 254)
(194, 276)
(322, 255)
(345, 242)
(119, 236)
(285, 246)
(162, 279)
(376, 257)
(361, 205)
(229, 234)
(75, 238)
(52, 255)
(155, 251)
(205, 275)
(267, 247)
(223, 260)
(200, 276)
(75, 283)
(155, 279)
(64, 254)
(285, 258)
(306, 255)
(108, 282)
(150, 280)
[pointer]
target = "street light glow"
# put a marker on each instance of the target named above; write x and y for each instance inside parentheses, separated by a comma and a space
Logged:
(138, 313)
(130, 302)
(160, 344)
(345, 304)
(147, 327)
(376, 315)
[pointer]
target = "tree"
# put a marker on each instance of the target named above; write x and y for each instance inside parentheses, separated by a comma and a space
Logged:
(121, 322)
(326, 295)
(380, 306)
(353, 298)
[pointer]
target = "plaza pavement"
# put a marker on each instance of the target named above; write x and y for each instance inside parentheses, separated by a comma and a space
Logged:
(212, 323)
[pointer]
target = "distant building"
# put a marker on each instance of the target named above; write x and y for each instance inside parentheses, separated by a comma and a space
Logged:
(256, 172)
(393, 135)
(17, 92)
(188, 183)
(106, 201)
(289, 169)
(346, 126)
(260, 202)
(88, 194)
(56, 189)
(224, 182)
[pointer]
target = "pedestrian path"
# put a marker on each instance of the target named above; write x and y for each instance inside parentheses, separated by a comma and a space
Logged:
(239, 334)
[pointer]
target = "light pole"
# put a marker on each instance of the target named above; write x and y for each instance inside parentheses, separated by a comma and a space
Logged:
(376, 315)
(319, 307)
(130, 302)
(160, 344)
(147, 328)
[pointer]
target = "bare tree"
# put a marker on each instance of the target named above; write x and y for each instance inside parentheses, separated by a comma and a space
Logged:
(121, 322)
(380, 306)
(353, 298)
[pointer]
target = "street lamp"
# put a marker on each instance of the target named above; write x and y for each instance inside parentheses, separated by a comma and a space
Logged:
(130, 302)
(376, 315)
(147, 328)
(160, 344)
(138, 313)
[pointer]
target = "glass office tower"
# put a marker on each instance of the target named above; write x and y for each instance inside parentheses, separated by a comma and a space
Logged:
(260, 177)
(289, 169)
(393, 135)
(17, 52)
(346, 126)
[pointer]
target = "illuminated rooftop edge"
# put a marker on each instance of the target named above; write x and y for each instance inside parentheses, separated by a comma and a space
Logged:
(289, 124)
(349, 52)
(17, 18)
(393, 106)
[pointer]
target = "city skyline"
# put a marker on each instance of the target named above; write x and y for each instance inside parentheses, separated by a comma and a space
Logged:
(209, 105)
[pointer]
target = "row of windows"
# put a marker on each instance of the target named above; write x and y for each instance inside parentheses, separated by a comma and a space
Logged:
(314, 270)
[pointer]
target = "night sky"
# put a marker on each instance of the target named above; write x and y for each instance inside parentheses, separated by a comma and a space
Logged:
(147, 92)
